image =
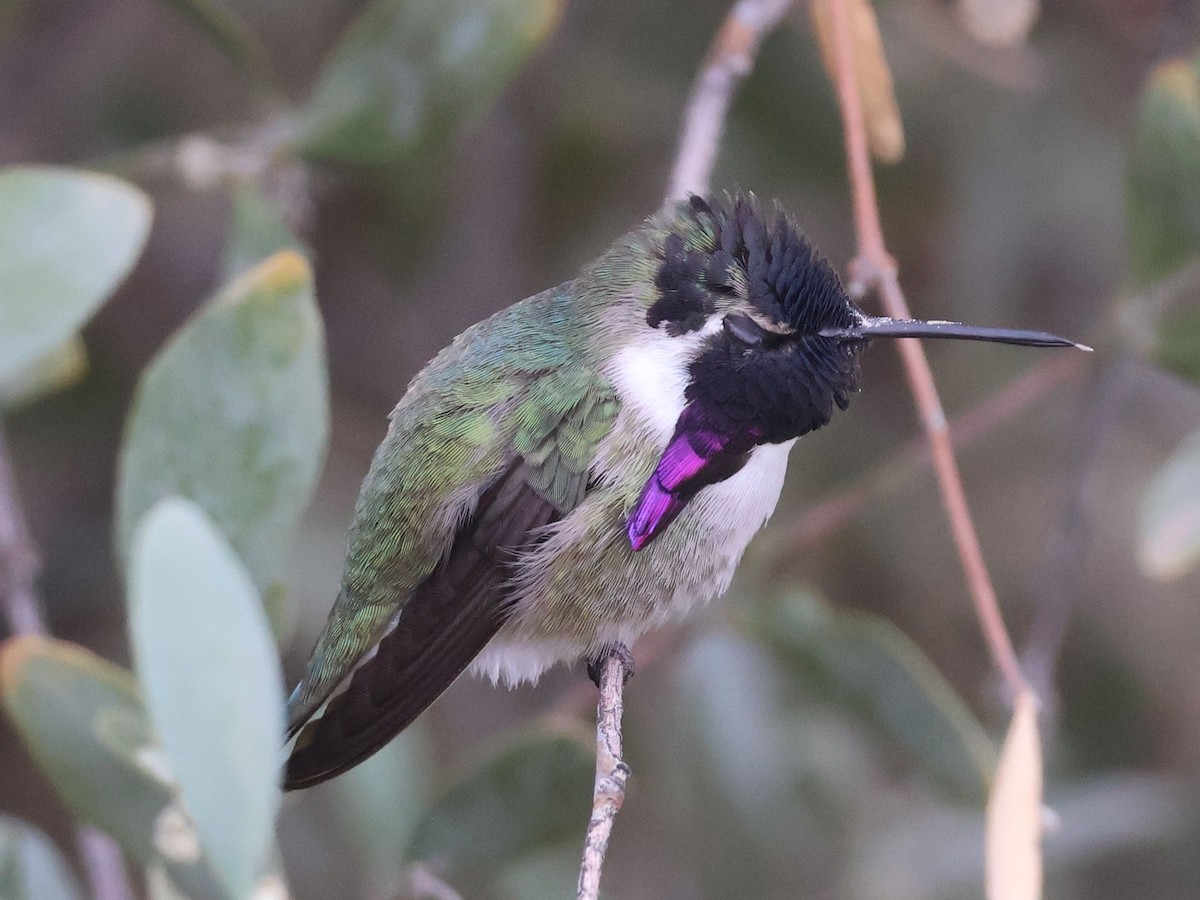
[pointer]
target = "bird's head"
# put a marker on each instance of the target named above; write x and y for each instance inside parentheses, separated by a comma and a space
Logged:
(765, 343)
(779, 338)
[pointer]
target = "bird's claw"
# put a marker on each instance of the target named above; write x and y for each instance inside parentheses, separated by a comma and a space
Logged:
(617, 650)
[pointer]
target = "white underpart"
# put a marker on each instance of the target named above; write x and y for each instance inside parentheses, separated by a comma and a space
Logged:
(738, 507)
(744, 501)
(652, 374)
(515, 661)
(650, 377)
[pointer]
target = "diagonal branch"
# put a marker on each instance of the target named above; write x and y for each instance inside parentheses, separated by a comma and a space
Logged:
(19, 563)
(875, 268)
(730, 59)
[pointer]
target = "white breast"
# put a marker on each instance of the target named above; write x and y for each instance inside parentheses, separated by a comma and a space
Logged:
(651, 377)
(652, 374)
(735, 509)
(745, 501)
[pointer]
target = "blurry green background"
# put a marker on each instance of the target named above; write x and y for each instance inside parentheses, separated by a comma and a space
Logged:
(775, 751)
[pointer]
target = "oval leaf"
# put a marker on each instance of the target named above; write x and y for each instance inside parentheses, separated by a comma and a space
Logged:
(1164, 172)
(866, 664)
(234, 414)
(67, 239)
(31, 868)
(1013, 845)
(210, 673)
(529, 796)
(1169, 533)
(406, 76)
(729, 689)
(84, 725)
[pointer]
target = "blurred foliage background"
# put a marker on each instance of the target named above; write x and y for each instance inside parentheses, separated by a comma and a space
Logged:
(827, 730)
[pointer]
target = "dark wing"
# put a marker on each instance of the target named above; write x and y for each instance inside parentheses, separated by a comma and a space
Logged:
(449, 619)
(453, 613)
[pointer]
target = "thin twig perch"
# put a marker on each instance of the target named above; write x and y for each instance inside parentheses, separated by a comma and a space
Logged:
(730, 58)
(611, 771)
(875, 268)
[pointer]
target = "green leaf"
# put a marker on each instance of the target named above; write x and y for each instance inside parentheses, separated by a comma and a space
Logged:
(67, 239)
(234, 414)
(82, 721)
(407, 76)
(1169, 531)
(1164, 174)
(867, 665)
(207, 664)
(529, 796)
(257, 230)
(31, 868)
(60, 368)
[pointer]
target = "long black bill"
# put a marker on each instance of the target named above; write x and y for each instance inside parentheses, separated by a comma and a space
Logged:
(880, 326)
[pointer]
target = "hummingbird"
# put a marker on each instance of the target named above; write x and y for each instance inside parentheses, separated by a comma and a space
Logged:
(585, 465)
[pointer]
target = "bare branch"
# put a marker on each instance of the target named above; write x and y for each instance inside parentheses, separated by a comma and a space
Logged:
(19, 567)
(730, 59)
(874, 267)
(19, 563)
(611, 771)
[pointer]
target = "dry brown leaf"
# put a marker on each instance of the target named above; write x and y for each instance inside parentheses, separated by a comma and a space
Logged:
(885, 131)
(1013, 843)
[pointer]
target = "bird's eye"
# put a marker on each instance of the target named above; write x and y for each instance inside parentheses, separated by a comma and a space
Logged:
(744, 329)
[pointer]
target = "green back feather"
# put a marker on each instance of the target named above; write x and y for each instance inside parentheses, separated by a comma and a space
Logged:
(510, 386)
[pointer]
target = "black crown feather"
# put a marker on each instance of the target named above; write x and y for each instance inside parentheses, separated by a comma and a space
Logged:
(788, 385)
(789, 281)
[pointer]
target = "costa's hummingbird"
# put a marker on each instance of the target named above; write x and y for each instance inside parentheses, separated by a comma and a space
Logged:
(583, 466)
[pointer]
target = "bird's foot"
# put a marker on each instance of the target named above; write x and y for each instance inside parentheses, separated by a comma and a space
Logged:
(617, 650)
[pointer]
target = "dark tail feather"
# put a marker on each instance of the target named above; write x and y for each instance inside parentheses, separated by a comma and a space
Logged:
(395, 686)
(444, 625)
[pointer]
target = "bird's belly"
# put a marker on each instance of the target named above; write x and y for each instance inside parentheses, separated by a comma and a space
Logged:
(585, 587)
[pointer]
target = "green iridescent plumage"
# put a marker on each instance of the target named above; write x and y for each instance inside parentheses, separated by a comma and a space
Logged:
(492, 395)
